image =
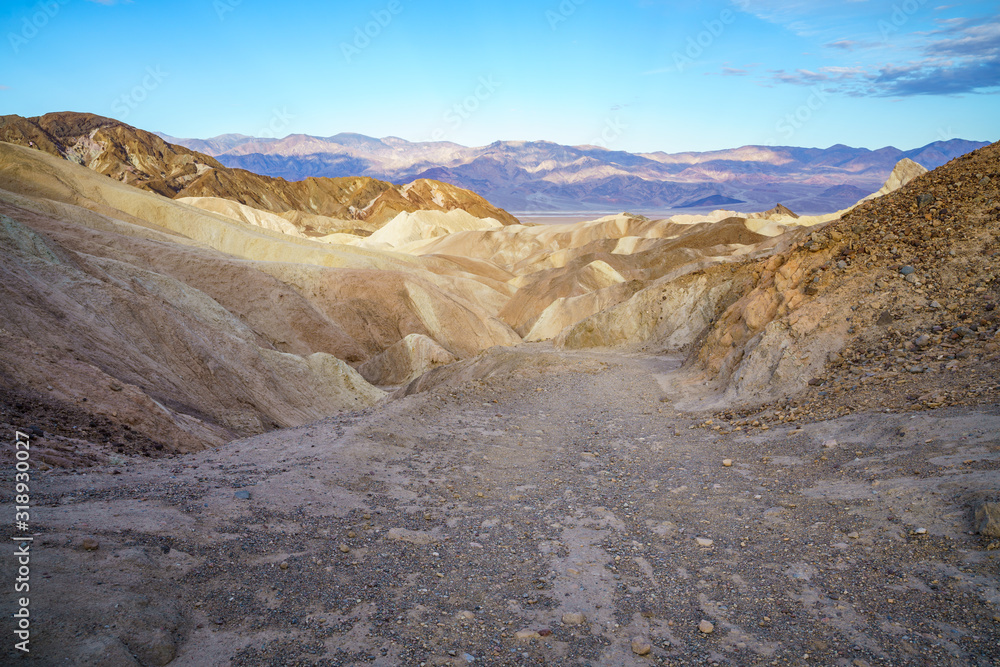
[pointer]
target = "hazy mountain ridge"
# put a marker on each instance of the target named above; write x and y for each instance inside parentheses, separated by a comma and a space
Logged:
(541, 175)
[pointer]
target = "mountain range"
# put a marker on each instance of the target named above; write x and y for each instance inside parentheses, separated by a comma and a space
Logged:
(541, 176)
(317, 205)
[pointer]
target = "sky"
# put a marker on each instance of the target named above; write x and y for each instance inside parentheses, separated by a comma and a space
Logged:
(634, 75)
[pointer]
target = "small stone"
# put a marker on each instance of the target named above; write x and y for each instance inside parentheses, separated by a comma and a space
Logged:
(830, 444)
(574, 618)
(89, 544)
(907, 270)
(158, 648)
(545, 632)
(727, 463)
(922, 340)
(283, 566)
(912, 279)
(242, 494)
(885, 319)
(351, 534)
(853, 535)
(706, 627)
(987, 519)
(924, 198)
(465, 616)
(920, 531)
(704, 541)
(526, 635)
(344, 549)
(468, 658)
(641, 647)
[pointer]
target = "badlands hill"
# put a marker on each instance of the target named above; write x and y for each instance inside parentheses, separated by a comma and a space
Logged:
(545, 176)
(316, 205)
(143, 323)
(160, 324)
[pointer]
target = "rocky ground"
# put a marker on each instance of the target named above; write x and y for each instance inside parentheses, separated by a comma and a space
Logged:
(534, 507)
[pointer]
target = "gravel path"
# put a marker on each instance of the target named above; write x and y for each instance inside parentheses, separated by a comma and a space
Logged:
(556, 510)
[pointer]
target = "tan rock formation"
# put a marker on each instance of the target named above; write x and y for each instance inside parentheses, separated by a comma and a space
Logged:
(193, 327)
(405, 361)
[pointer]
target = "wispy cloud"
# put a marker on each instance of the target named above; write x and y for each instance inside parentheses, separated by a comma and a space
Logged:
(961, 57)
(729, 69)
(112, 2)
(969, 77)
(849, 45)
(967, 38)
(802, 17)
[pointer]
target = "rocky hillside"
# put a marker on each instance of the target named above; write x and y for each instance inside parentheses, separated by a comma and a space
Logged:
(893, 305)
(145, 160)
(137, 323)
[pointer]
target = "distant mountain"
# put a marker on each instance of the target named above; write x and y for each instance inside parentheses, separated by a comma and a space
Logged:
(544, 176)
(147, 161)
(845, 191)
(716, 201)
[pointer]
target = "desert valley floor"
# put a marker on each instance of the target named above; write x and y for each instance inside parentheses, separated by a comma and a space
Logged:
(557, 512)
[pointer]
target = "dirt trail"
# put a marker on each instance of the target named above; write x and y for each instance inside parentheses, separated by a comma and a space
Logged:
(435, 528)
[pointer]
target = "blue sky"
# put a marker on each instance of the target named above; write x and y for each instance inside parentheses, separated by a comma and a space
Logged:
(639, 75)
